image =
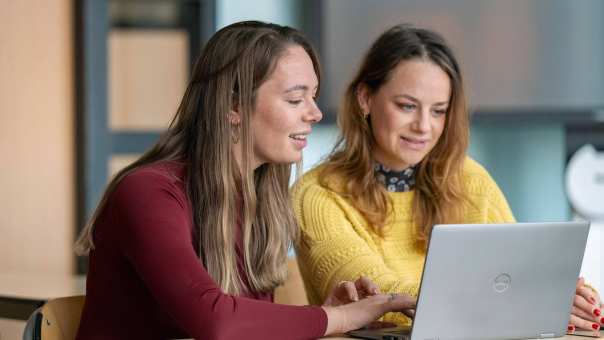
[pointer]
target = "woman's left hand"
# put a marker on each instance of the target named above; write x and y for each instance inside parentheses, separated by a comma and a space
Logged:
(347, 291)
(587, 310)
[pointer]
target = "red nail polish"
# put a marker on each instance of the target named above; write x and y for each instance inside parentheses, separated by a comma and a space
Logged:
(597, 312)
(595, 326)
(602, 321)
(571, 328)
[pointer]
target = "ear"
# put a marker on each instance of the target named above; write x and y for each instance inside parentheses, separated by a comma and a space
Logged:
(364, 98)
(234, 118)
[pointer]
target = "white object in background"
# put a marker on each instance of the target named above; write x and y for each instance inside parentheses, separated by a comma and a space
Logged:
(592, 268)
(585, 190)
(585, 182)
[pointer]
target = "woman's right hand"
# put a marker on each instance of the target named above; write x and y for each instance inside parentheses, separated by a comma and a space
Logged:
(354, 315)
(586, 311)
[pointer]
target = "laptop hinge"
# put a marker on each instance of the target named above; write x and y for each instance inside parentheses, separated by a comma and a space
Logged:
(546, 335)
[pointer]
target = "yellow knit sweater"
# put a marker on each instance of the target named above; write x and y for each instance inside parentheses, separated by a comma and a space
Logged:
(338, 244)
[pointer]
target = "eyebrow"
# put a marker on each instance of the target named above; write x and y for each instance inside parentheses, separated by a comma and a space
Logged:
(297, 88)
(417, 100)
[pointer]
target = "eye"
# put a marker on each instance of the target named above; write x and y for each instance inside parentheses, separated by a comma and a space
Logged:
(295, 102)
(407, 107)
(439, 112)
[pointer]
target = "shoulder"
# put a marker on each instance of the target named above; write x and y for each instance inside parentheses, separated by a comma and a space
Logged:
(476, 178)
(321, 212)
(167, 173)
(484, 194)
(308, 180)
(151, 197)
(311, 185)
(311, 194)
(471, 168)
(163, 172)
(150, 182)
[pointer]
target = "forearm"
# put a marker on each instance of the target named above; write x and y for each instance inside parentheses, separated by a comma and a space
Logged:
(324, 270)
(355, 315)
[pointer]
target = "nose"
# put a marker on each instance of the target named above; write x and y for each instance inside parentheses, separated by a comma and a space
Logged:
(314, 114)
(422, 121)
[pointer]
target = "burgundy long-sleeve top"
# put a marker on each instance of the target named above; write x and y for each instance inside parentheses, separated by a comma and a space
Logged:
(145, 280)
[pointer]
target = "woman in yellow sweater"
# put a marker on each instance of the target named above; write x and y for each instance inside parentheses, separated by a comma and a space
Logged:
(399, 167)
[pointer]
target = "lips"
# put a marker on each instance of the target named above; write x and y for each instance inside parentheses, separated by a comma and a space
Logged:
(415, 143)
(301, 136)
(299, 139)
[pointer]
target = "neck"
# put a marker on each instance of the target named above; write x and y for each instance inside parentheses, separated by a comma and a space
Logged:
(391, 164)
(395, 180)
(238, 155)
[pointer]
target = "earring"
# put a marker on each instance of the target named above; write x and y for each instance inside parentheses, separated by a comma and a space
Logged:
(235, 133)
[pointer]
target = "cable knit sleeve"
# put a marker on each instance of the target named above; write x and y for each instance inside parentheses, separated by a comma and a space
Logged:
(484, 192)
(337, 243)
(499, 211)
(334, 247)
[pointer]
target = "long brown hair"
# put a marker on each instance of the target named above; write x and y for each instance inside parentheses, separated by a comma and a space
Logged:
(439, 188)
(232, 66)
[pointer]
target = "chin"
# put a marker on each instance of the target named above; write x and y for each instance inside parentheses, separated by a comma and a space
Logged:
(411, 161)
(286, 159)
(294, 159)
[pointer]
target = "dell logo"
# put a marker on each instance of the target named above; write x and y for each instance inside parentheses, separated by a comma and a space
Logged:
(502, 282)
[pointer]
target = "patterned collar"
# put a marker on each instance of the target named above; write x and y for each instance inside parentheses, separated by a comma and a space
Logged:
(395, 181)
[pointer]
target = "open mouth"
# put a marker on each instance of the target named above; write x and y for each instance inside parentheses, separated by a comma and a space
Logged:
(300, 136)
(299, 140)
(415, 143)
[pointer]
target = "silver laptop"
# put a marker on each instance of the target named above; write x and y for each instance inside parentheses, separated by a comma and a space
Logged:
(495, 281)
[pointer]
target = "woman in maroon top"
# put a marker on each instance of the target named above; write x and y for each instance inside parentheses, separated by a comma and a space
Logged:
(192, 239)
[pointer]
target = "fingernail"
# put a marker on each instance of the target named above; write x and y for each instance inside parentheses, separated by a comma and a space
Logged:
(571, 328)
(597, 312)
(602, 321)
(595, 326)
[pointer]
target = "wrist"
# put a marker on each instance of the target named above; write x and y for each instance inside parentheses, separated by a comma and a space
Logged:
(334, 320)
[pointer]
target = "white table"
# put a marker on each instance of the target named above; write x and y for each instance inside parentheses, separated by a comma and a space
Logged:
(568, 337)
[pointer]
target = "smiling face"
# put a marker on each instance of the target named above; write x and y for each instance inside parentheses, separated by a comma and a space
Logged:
(285, 109)
(407, 113)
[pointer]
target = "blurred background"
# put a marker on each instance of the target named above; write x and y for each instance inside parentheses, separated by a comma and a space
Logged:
(88, 85)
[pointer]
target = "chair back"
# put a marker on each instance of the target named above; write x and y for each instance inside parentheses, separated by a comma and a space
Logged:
(57, 319)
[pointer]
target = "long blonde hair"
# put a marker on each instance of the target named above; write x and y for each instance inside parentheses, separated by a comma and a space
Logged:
(439, 189)
(232, 66)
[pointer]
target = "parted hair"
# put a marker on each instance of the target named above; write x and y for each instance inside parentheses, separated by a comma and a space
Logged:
(439, 189)
(233, 64)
